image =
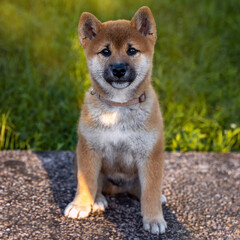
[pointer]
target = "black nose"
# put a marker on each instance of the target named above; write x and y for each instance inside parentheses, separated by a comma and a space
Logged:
(119, 70)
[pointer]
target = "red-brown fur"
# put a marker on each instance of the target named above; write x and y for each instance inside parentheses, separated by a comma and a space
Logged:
(91, 168)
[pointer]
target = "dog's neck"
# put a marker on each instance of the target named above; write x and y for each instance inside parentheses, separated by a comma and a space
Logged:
(133, 101)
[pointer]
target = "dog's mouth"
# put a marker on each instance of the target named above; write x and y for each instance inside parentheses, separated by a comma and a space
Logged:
(120, 84)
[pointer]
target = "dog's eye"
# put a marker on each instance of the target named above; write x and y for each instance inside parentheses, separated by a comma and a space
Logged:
(132, 51)
(106, 52)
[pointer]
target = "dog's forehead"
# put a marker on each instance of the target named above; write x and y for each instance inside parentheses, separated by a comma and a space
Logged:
(119, 32)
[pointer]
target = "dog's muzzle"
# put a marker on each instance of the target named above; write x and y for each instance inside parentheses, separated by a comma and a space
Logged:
(119, 75)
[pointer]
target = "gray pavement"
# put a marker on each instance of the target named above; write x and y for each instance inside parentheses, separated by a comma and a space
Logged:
(202, 189)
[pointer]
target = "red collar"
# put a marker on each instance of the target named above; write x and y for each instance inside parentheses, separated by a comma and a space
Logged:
(140, 99)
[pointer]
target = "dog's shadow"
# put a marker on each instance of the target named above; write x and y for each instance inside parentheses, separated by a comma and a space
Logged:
(123, 212)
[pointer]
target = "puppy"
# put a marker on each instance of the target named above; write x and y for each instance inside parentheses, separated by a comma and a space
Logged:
(120, 131)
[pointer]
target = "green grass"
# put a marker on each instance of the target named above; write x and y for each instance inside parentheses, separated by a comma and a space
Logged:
(43, 72)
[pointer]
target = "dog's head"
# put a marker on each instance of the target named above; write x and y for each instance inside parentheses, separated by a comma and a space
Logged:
(119, 53)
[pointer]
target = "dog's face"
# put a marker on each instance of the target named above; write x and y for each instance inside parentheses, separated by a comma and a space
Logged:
(119, 53)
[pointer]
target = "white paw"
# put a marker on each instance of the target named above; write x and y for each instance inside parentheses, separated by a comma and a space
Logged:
(155, 226)
(100, 203)
(77, 211)
(163, 199)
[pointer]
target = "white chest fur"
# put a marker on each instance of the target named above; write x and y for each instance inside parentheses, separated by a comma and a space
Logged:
(121, 134)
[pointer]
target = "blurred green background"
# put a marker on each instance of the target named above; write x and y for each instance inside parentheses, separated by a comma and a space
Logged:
(43, 72)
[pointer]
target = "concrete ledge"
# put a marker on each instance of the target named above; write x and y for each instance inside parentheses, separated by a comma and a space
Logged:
(202, 190)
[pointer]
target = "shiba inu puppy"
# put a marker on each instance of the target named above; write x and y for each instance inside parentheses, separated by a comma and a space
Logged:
(120, 144)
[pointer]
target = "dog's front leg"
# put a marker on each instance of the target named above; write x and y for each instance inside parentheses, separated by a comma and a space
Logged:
(88, 168)
(150, 175)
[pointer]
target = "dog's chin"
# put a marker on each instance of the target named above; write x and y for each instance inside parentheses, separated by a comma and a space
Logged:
(120, 84)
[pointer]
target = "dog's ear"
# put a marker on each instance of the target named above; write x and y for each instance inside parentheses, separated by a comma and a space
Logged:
(144, 22)
(88, 28)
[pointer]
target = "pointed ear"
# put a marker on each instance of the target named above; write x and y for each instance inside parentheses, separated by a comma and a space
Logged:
(144, 22)
(88, 28)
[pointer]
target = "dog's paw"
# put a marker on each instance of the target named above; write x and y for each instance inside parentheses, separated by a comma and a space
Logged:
(100, 203)
(77, 211)
(163, 199)
(155, 226)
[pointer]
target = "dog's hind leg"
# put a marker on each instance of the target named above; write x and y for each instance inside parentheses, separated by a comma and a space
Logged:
(100, 203)
(111, 189)
(135, 190)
